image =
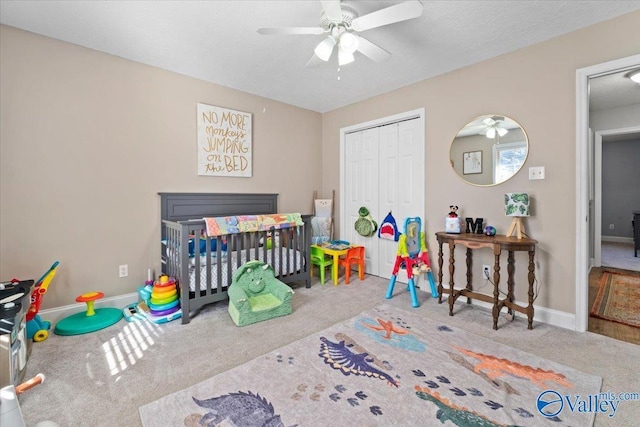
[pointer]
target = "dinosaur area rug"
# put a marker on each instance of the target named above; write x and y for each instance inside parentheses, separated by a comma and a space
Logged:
(386, 367)
(618, 298)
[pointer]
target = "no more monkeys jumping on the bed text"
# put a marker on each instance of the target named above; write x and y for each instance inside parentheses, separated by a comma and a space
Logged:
(224, 142)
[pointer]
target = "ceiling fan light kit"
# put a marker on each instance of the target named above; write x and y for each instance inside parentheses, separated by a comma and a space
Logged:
(325, 48)
(348, 42)
(347, 45)
(494, 126)
(491, 133)
(344, 56)
(341, 21)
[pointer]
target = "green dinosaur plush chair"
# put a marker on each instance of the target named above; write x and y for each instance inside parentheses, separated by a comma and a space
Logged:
(256, 295)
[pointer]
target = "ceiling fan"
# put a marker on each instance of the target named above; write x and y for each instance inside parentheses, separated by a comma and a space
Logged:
(341, 22)
(490, 126)
(494, 125)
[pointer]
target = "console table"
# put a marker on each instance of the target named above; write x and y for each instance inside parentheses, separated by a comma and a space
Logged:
(497, 244)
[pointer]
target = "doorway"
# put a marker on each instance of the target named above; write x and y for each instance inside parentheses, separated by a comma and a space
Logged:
(585, 176)
(612, 203)
(616, 196)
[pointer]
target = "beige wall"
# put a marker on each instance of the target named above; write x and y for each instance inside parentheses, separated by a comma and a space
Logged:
(88, 140)
(536, 87)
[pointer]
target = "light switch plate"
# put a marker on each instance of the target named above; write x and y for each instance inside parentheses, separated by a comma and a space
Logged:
(536, 172)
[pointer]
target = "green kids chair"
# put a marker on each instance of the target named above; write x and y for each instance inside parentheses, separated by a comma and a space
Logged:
(256, 295)
(321, 260)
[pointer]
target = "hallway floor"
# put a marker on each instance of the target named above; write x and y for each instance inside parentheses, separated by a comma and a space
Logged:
(615, 257)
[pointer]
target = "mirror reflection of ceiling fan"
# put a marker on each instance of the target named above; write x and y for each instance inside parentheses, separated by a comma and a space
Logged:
(341, 22)
(493, 125)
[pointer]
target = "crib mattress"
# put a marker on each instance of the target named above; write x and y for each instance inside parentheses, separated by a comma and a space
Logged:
(290, 254)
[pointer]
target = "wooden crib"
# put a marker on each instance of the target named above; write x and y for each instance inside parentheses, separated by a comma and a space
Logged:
(203, 266)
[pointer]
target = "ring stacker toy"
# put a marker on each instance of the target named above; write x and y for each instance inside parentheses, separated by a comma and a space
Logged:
(90, 321)
(160, 302)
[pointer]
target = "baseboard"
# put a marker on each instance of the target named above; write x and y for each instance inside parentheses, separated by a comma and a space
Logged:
(549, 316)
(617, 239)
(54, 315)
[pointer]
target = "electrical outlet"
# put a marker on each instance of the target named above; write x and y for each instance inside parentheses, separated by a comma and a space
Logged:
(486, 271)
(610, 226)
(123, 270)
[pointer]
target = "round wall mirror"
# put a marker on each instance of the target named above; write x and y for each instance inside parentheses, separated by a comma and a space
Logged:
(489, 150)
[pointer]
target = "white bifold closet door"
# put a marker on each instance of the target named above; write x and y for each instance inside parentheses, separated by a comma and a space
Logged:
(384, 172)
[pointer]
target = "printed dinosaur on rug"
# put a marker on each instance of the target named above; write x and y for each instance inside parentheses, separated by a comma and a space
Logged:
(384, 367)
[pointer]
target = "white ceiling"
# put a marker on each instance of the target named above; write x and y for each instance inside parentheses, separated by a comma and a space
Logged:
(217, 41)
(613, 90)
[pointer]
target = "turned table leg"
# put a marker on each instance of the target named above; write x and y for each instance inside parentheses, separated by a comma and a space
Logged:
(510, 282)
(531, 282)
(452, 261)
(469, 272)
(440, 272)
(496, 289)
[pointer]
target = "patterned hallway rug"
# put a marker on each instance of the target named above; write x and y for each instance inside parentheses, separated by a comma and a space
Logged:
(618, 298)
(386, 367)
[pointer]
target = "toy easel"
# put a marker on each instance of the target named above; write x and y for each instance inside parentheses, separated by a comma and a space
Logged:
(322, 221)
(412, 255)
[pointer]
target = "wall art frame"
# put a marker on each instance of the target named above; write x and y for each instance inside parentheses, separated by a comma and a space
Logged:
(472, 162)
(224, 139)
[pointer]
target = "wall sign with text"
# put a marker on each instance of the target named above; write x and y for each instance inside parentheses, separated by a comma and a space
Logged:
(224, 142)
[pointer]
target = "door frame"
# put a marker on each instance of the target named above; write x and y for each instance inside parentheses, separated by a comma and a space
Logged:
(407, 115)
(584, 177)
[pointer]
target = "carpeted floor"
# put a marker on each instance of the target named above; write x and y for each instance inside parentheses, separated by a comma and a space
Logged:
(618, 298)
(619, 255)
(102, 378)
(386, 366)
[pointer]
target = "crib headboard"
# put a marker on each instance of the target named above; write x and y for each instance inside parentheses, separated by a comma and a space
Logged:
(184, 206)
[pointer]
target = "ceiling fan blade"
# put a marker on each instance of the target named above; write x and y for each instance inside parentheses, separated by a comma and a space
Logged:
(372, 51)
(396, 13)
(332, 10)
(291, 30)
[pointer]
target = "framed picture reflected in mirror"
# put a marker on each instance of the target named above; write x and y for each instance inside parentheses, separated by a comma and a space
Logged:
(472, 162)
